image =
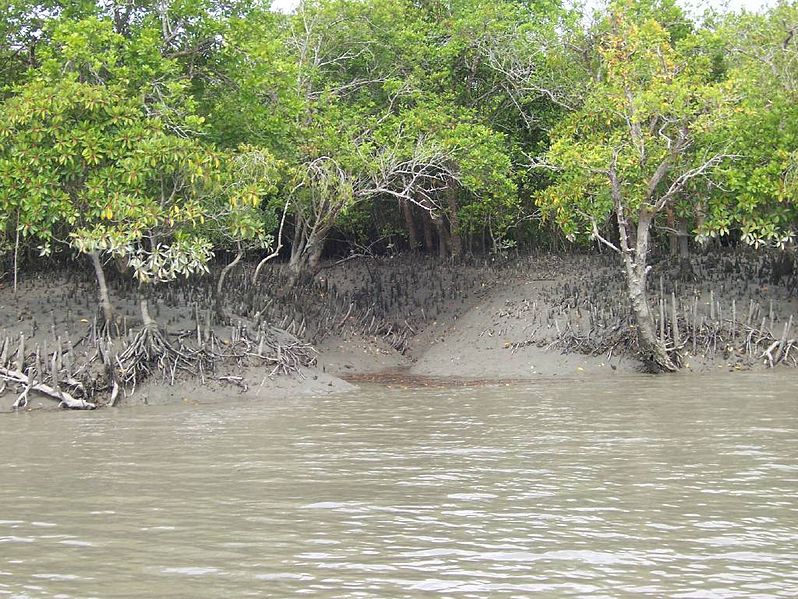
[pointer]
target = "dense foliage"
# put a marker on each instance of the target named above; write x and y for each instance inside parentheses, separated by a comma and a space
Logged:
(161, 132)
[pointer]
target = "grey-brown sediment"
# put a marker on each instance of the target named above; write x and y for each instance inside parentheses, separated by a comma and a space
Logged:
(731, 309)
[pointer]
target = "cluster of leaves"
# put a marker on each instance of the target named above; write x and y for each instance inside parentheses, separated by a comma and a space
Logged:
(640, 123)
(102, 150)
(759, 190)
(696, 122)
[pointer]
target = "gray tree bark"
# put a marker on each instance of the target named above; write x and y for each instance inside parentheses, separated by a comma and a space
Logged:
(218, 299)
(105, 300)
(652, 349)
(305, 261)
(144, 307)
(410, 225)
(455, 240)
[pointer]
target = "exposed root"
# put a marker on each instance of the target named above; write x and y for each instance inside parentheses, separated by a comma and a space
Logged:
(150, 352)
(270, 346)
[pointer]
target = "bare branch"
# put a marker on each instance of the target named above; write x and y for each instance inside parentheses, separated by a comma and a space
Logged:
(597, 235)
(682, 180)
(277, 249)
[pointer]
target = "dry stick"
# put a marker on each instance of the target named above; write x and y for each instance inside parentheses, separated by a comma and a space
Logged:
(54, 372)
(41, 359)
(783, 341)
(34, 371)
(21, 353)
(695, 323)
(45, 355)
(772, 316)
(346, 316)
(197, 320)
(677, 338)
(712, 305)
(768, 353)
(277, 249)
(4, 351)
(114, 394)
(58, 353)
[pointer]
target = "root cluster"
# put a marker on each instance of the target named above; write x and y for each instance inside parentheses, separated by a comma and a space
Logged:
(97, 370)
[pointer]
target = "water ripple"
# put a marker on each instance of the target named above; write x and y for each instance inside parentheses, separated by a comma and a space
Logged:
(624, 487)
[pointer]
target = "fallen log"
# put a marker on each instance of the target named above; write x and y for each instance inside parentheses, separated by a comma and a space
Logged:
(65, 399)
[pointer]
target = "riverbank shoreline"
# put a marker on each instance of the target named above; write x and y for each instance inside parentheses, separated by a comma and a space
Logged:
(411, 320)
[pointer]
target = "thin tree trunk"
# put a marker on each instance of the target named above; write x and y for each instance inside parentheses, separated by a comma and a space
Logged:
(105, 300)
(16, 255)
(277, 249)
(144, 308)
(298, 243)
(455, 240)
(219, 296)
(443, 241)
(673, 238)
(307, 262)
(652, 349)
(429, 239)
(410, 224)
(686, 271)
(684, 240)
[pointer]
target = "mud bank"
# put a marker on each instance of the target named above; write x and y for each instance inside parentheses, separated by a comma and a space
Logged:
(420, 320)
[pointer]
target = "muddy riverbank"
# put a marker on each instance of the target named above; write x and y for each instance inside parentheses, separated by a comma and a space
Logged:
(486, 320)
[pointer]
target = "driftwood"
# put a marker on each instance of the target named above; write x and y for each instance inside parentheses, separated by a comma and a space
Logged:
(65, 399)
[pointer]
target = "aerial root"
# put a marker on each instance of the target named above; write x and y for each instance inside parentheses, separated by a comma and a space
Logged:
(150, 352)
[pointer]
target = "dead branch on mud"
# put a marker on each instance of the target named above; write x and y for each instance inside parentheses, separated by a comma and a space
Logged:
(29, 384)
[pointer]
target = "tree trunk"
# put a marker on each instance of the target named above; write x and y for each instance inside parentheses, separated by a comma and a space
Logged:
(144, 308)
(218, 300)
(122, 264)
(410, 224)
(652, 349)
(686, 271)
(429, 236)
(455, 240)
(105, 300)
(298, 243)
(673, 238)
(684, 240)
(306, 262)
(16, 255)
(443, 238)
(314, 257)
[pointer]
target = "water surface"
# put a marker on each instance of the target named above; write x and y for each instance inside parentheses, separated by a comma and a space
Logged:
(673, 486)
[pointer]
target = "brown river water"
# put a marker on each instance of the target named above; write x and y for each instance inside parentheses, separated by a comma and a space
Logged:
(665, 487)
